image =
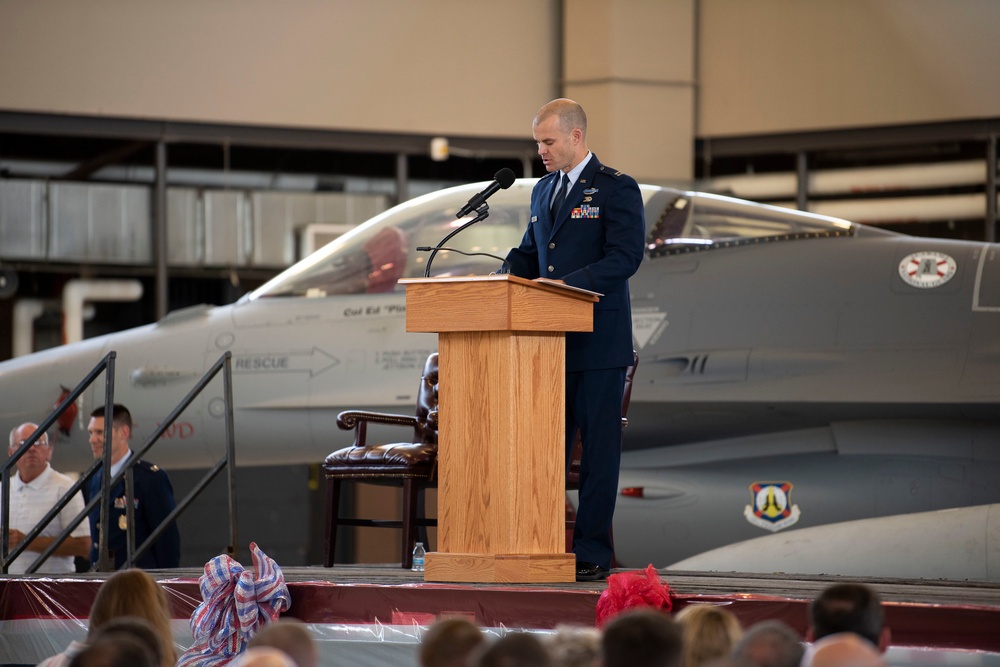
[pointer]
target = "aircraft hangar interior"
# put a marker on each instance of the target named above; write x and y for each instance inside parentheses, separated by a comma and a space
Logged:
(183, 180)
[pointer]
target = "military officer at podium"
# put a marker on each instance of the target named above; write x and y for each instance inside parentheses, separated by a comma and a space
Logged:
(587, 229)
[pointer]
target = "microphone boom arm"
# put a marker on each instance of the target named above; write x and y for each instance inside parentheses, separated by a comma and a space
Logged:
(482, 213)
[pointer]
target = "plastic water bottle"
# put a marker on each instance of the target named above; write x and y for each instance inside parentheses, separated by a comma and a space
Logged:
(418, 557)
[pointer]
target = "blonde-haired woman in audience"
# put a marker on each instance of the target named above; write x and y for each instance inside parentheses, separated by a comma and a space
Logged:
(128, 593)
(710, 632)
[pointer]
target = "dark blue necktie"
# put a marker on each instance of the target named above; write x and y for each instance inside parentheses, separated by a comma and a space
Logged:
(560, 194)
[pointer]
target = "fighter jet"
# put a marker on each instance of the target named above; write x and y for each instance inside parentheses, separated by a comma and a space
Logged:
(795, 370)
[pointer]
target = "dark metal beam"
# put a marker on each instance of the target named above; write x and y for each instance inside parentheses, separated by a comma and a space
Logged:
(802, 181)
(991, 189)
(160, 229)
(896, 135)
(252, 135)
(86, 170)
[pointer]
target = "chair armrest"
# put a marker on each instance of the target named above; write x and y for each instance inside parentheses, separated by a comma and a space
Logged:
(351, 418)
(358, 420)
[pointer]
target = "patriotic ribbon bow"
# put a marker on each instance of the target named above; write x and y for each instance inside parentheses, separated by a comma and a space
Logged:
(236, 604)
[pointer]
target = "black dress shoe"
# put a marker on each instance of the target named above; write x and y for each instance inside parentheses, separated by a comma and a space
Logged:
(589, 571)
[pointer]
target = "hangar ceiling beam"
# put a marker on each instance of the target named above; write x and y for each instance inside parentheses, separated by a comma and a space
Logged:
(864, 138)
(258, 136)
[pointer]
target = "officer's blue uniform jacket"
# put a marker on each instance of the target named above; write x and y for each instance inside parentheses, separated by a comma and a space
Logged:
(154, 500)
(595, 242)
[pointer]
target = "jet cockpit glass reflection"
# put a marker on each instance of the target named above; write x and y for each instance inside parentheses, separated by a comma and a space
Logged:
(372, 257)
(698, 221)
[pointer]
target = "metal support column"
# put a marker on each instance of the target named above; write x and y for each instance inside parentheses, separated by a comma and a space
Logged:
(802, 181)
(991, 188)
(402, 178)
(160, 229)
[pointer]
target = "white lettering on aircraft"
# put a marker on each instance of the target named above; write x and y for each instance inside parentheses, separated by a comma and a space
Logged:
(371, 311)
(396, 360)
(314, 362)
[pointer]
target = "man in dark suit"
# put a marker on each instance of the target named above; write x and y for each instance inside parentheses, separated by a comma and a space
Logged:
(587, 230)
(154, 498)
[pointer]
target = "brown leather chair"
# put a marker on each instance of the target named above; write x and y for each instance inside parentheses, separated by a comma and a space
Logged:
(411, 465)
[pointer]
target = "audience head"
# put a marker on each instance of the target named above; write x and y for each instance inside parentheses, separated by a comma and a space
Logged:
(290, 637)
(848, 608)
(517, 649)
(134, 593)
(709, 632)
(769, 644)
(845, 649)
(573, 646)
(449, 642)
(642, 638)
(135, 628)
(119, 650)
(263, 656)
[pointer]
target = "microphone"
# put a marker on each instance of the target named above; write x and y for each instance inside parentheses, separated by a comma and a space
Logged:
(503, 179)
(504, 264)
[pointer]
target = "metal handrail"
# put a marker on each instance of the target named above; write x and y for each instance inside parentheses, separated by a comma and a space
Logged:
(6, 558)
(228, 461)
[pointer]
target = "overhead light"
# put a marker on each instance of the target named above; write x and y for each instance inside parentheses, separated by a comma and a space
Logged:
(439, 149)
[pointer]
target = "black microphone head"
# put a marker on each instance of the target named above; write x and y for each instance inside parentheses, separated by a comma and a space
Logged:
(505, 177)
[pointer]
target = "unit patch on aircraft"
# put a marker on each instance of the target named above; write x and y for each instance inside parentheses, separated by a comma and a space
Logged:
(771, 506)
(927, 269)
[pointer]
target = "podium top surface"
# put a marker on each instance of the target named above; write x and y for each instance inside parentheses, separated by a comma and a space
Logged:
(496, 303)
(541, 283)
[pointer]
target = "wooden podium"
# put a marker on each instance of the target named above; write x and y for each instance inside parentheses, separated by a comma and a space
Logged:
(501, 440)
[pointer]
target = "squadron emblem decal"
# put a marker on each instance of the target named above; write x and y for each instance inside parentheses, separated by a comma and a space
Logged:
(771, 506)
(927, 269)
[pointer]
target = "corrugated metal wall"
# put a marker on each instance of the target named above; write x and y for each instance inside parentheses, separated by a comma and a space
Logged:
(112, 224)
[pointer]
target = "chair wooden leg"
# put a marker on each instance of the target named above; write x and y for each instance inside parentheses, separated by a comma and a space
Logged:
(332, 519)
(409, 537)
(421, 513)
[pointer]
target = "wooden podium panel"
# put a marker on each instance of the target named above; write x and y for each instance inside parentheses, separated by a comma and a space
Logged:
(501, 439)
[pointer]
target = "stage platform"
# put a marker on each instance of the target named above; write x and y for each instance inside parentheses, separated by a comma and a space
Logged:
(374, 615)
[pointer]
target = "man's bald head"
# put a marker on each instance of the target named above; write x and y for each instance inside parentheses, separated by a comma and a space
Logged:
(571, 115)
(292, 638)
(846, 650)
(263, 656)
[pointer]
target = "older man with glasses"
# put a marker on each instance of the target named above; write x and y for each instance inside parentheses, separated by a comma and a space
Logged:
(34, 490)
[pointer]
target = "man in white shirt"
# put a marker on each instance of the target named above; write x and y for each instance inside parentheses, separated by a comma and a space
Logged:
(33, 492)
